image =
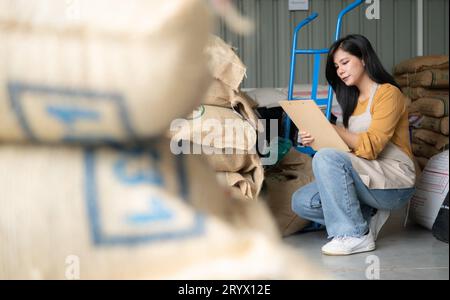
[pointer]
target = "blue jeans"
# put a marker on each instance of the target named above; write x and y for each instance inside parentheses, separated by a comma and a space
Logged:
(340, 200)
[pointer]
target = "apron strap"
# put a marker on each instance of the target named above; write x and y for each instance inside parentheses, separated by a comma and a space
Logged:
(372, 95)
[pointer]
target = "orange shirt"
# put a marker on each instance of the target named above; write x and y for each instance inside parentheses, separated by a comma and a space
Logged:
(389, 123)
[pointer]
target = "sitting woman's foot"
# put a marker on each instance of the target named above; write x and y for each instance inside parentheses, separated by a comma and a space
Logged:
(349, 245)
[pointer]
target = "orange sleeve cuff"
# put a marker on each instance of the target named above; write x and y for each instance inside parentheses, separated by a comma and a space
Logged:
(361, 150)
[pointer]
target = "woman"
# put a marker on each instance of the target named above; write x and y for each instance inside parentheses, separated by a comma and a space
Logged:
(379, 173)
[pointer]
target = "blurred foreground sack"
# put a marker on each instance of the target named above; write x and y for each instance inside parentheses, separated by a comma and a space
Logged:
(96, 70)
(131, 213)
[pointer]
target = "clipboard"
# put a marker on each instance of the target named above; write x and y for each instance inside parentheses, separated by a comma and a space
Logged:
(308, 117)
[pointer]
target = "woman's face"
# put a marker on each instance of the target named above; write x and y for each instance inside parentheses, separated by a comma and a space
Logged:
(349, 68)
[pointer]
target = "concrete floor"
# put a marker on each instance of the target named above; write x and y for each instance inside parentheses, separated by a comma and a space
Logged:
(409, 253)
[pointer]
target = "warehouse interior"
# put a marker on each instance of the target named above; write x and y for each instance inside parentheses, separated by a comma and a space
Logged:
(162, 140)
(403, 30)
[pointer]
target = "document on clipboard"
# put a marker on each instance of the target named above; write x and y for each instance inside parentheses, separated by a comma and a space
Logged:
(308, 117)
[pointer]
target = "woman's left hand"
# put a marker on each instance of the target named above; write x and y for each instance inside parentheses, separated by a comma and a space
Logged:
(305, 138)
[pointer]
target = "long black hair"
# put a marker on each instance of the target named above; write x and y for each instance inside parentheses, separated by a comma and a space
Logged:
(358, 46)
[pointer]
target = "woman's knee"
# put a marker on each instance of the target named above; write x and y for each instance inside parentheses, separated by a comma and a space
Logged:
(297, 202)
(329, 158)
(305, 199)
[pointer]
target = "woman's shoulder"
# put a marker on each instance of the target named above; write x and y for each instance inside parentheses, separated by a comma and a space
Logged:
(389, 97)
(388, 90)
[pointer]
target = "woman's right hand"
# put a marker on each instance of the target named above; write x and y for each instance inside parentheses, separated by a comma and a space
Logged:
(305, 138)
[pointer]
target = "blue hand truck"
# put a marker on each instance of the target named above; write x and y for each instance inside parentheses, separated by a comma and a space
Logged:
(328, 102)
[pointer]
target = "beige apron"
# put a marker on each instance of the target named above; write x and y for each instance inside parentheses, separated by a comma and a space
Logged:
(393, 169)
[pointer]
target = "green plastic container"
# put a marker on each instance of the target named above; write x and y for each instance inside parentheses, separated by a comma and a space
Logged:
(282, 146)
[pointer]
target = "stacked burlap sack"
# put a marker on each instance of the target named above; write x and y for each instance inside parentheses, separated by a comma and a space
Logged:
(73, 207)
(282, 181)
(225, 126)
(425, 81)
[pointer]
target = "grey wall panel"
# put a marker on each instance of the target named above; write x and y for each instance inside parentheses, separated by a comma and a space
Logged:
(267, 51)
(249, 47)
(386, 37)
(405, 30)
(436, 27)
(446, 34)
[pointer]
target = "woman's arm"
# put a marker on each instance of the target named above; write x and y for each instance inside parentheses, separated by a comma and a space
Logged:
(351, 139)
(388, 109)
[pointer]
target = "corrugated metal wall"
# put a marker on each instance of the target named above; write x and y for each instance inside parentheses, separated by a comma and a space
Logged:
(267, 51)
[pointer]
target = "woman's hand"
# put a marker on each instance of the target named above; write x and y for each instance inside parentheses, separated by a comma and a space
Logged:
(305, 138)
(351, 139)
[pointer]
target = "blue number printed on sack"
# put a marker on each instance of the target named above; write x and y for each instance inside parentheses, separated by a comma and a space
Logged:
(156, 210)
(71, 109)
(70, 115)
(149, 175)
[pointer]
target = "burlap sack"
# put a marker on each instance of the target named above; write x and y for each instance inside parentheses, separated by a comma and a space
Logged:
(220, 95)
(437, 140)
(420, 92)
(228, 72)
(216, 127)
(408, 101)
(422, 63)
(422, 161)
(432, 107)
(430, 123)
(95, 70)
(248, 181)
(444, 126)
(224, 64)
(422, 149)
(429, 78)
(433, 124)
(228, 143)
(281, 182)
(135, 213)
(228, 162)
(243, 104)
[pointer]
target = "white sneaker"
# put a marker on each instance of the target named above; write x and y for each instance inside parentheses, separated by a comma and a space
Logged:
(377, 221)
(349, 245)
